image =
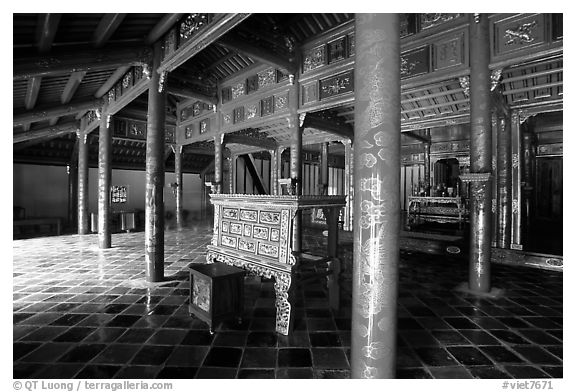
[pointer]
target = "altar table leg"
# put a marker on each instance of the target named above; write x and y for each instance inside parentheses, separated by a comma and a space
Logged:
(282, 287)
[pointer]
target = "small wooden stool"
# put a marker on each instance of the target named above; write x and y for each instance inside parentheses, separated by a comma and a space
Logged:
(216, 292)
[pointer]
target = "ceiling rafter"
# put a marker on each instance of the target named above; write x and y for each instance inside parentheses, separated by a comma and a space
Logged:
(106, 28)
(259, 54)
(47, 113)
(68, 127)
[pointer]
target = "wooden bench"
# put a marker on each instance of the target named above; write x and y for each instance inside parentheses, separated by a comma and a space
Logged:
(55, 224)
(254, 232)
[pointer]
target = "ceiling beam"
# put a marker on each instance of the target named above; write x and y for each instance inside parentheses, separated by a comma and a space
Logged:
(111, 81)
(46, 31)
(47, 113)
(32, 90)
(220, 25)
(258, 54)
(162, 27)
(190, 94)
(71, 86)
(313, 121)
(413, 135)
(70, 61)
(265, 144)
(68, 127)
(107, 26)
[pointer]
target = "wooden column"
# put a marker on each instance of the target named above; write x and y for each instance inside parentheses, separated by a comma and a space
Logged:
(518, 199)
(180, 186)
(324, 169)
(377, 196)
(218, 164)
(504, 182)
(155, 144)
(73, 192)
(279, 174)
(348, 184)
(104, 181)
(83, 219)
(427, 164)
(273, 172)
(296, 177)
(480, 156)
(232, 161)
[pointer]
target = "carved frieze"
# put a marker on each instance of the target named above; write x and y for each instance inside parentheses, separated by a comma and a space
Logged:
(260, 233)
(247, 246)
(227, 117)
(268, 250)
(127, 81)
(137, 130)
(169, 135)
(230, 213)
(229, 242)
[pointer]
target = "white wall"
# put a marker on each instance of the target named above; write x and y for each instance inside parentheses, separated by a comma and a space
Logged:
(43, 190)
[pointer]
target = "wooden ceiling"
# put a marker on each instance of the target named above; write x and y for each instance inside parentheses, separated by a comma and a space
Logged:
(50, 105)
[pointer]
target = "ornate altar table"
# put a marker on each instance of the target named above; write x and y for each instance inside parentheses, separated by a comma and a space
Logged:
(254, 232)
(436, 209)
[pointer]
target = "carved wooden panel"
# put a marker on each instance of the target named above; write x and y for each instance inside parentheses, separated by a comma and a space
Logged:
(204, 126)
(169, 43)
(309, 92)
(227, 118)
(120, 128)
(267, 106)
(201, 288)
(448, 53)
(169, 135)
(266, 77)
(248, 215)
(226, 94)
(188, 132)
(238, 114)
(251, 110)
(415, 62)
(337, 50)
(337, 85)
(280, 102)
(251, 84)
(238, 90)
(518, 34)
(435, 19)
(314, 58)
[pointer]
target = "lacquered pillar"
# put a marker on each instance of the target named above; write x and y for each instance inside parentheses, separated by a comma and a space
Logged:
(504, 182)
(104, 181)
(427, 164)
(279, 175)
(232, 161)
(218, 164)
(83, 227)
(179, 187)
(377, 195)
(73, 191)
(519, 199)
(155, 144)
(296, 176)
(324, 169)
(273, 172)
(480, 156)
(348, 184)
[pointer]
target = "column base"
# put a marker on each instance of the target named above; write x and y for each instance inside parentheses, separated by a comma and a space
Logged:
(494, 293)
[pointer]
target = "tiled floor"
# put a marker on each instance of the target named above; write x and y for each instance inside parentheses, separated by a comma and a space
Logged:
(85, 313)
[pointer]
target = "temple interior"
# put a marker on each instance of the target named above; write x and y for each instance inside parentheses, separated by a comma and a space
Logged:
(209, 196)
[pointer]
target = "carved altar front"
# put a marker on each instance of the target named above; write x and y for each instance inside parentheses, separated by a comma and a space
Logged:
(436, 209)
(254, 232)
